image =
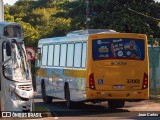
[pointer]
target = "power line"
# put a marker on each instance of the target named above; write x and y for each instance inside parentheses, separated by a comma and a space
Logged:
(143, 14)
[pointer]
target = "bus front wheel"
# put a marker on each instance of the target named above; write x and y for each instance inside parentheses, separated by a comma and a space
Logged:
(116, 104)
(46, 99)
(69, 103)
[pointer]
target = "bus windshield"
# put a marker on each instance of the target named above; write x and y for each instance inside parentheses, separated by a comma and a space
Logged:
(118, 48)
(13, 31)
(16, 68)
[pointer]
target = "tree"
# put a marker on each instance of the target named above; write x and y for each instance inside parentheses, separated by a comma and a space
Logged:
(7, 16)
(75, 10)
(50, 18)
(31, 35)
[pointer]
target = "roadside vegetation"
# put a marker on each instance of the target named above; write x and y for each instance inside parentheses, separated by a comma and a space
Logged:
(52, 18)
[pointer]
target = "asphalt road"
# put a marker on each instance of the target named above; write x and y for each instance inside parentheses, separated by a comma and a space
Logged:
(148, 109)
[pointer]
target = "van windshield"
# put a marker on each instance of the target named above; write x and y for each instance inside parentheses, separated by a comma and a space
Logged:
(118, 48)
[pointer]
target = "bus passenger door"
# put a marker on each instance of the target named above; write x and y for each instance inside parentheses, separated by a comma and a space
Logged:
(50, 69)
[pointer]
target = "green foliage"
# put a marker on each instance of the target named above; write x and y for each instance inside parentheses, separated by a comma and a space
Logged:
(115, 15)
(7, 16)
(51, 18)
(75, 10)
(30, 33)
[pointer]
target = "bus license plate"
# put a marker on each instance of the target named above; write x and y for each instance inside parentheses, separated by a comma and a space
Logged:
(118, 86)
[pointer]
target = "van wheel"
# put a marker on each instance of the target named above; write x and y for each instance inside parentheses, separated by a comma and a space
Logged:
(69, 103)
(116, 104)
(46, 99)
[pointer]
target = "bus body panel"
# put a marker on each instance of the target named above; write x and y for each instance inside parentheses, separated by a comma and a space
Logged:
(117, 78)
(55, 78)
(130, 95)
(113, 78)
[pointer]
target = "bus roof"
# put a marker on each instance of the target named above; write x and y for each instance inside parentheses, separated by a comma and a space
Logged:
(80, 35)
(63, 39)
(89, 31)
(3, 24)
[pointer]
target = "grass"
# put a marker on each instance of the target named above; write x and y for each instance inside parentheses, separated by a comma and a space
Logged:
(39, 109)
(45, 112)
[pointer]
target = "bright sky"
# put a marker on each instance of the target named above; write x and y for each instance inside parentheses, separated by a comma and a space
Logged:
(157, 0)
(11, 2)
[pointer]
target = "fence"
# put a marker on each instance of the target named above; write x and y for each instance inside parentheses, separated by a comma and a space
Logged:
(154, 62)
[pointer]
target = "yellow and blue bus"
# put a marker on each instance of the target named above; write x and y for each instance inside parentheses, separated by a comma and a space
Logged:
(93, 66)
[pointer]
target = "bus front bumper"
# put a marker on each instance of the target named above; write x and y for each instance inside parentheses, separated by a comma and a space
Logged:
(125, 95)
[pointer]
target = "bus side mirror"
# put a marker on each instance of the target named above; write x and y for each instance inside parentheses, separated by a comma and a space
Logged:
(8, 49)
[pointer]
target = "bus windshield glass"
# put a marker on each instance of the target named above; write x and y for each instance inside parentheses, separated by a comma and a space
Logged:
(13, 31)
(16, 68)
(118, 48)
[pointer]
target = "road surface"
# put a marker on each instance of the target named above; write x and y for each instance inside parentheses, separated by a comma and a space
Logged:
(147, 109)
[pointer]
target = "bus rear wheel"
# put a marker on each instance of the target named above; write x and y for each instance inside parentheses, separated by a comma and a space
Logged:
(46, 99)
(69, 103)
(116, 104)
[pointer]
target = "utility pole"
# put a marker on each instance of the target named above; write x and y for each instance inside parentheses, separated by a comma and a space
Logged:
(1, 11)
(87, 15)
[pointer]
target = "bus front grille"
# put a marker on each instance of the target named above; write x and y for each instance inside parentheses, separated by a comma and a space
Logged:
(25, 87)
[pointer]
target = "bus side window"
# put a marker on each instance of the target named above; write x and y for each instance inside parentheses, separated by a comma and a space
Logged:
(38, 57)
(38, 60)
(9, 31)
(63, 55)
(44, 54)
(84, 55)
(17, 31)
(56, 55)
(70, 52)
(77, 55)
(5, 33)
(13, 31)
(50, 55)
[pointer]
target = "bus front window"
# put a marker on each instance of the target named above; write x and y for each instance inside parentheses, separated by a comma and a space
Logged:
(13, 31)
(16, 67)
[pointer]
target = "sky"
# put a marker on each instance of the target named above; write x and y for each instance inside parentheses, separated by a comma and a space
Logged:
(11, 2)
(157, 0)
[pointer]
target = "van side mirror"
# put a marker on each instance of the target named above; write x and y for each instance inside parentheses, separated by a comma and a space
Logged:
(8, 49)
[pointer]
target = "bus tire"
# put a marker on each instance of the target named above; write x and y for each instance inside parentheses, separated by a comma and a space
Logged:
(46, 99)
(69, 103)
(116, 104)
